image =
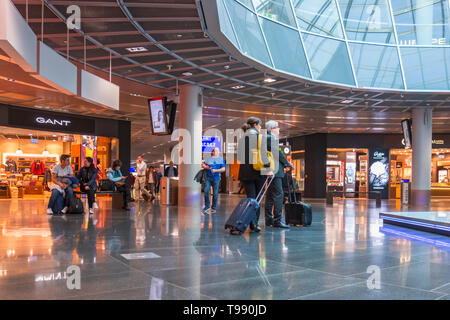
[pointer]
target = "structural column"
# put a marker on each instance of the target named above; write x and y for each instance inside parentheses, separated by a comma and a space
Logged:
(421, 158)
(316, 165)
(190, 145)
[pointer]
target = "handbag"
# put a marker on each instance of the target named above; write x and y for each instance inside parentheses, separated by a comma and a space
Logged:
(106, 185)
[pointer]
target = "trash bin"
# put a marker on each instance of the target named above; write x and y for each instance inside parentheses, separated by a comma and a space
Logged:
(405, 191)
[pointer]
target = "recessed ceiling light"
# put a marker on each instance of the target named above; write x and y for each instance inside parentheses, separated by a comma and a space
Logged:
(217, 83)
(226, 67)
(347, 101)
(269, 80)
(137, 49)
(179, 35)
(187, 74)
(238, 87)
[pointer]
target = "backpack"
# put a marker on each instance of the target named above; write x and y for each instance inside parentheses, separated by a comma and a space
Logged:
(258, 163)
(76, 205)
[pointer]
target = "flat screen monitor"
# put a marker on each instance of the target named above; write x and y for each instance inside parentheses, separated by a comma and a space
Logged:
(158, 115)
(209, 143)
(407, 136)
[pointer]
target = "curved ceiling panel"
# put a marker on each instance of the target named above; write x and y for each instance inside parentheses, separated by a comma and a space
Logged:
(376, 44)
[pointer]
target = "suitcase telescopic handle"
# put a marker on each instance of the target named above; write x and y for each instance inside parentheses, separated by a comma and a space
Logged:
(289, 179)
(264, 189)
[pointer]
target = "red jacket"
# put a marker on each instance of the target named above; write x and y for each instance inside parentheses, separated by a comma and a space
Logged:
(38, 168)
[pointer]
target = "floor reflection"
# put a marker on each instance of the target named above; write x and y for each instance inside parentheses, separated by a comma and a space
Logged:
(195, 258)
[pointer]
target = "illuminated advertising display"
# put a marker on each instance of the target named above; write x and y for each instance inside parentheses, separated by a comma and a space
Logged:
(379, 171)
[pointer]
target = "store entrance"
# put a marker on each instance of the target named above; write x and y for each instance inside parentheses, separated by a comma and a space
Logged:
(29, 155)
(401, 164)
(347, 171)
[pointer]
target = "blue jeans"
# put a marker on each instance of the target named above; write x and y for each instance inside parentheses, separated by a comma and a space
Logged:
(210, 182)
(69, 195)
(56, 202)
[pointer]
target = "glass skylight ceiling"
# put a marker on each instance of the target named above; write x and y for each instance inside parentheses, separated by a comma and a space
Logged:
(379, 44)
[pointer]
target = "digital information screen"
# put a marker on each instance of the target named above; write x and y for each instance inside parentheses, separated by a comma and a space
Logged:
(157, 116)
(209, 143)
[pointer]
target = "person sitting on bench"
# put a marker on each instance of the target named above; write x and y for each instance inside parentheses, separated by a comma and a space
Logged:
(56, 202)
(88, 182)
(122, 183)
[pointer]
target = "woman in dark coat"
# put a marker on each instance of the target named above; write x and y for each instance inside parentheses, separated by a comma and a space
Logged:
(88, 182)
(252, 180)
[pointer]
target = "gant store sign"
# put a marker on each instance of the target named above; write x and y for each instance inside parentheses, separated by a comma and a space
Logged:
(51, 121)
(55, 122)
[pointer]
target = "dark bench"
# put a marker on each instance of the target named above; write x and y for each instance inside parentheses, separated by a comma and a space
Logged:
(117, 197)
(332, 194)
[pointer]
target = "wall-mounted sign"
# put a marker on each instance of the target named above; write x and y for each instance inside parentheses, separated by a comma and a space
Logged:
(209, 143)
(231, 147)
(434, 141)
(379, 171)
(332, 155)
(52, 121)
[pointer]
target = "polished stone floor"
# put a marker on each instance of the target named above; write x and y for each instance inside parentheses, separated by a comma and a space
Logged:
(157, 252)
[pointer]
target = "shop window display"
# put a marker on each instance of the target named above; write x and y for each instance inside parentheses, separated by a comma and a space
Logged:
(28, 157)
(347, 171)
(401, 166)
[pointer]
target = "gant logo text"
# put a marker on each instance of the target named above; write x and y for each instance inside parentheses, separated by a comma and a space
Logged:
(42, 120)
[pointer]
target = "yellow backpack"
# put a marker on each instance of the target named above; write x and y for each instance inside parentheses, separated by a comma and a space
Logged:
(258, 164)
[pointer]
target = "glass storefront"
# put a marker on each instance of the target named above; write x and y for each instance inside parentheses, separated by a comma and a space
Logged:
(27, 157)
(401, 165)
(346, 171)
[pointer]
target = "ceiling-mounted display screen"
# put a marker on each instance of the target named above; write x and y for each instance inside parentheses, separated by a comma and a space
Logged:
(158, 115)
(407, 136)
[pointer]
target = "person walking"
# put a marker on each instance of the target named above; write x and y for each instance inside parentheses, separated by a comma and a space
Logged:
(158, 179)
(275, 194)
(151, 181)
(252, 180)
(214, 166)
(141, 172)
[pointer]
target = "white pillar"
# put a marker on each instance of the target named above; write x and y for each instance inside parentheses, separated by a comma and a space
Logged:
(189, 191)
(421, 158)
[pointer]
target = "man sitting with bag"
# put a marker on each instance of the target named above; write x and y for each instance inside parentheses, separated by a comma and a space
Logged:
(121, 183)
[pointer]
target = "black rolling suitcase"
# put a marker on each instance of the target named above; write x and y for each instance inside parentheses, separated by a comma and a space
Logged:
(245, 212)
(297, 212)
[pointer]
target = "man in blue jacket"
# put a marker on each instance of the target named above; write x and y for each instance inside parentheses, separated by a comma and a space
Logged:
(121, 182)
